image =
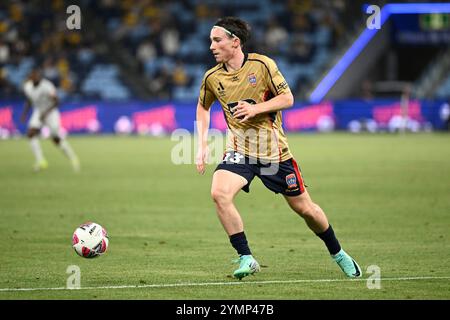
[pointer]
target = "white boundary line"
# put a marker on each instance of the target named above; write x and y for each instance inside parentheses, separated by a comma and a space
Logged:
(204, 284)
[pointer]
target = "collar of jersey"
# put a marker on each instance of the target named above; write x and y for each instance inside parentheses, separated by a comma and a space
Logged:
(243, 62)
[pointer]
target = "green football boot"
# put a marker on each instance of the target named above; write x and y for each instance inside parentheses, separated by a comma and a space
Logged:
(75, 164)
(347, 264)
(247, 265)
(39, 166)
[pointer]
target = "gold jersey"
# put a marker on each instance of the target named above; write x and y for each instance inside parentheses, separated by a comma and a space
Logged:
(258, 80)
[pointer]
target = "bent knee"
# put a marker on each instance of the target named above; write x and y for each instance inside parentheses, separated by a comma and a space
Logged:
(56, 140)
(221, 196)
(32, 133)
(306, 210)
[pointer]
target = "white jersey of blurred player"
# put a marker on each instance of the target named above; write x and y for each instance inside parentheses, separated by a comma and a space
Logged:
(41, 97)
(41, 94)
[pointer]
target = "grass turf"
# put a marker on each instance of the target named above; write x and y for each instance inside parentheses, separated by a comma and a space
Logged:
(387, 197)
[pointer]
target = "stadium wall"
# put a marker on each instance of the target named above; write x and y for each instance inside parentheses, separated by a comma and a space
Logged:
(159, 118)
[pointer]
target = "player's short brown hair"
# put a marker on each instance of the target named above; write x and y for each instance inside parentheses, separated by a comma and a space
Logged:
(236, 26)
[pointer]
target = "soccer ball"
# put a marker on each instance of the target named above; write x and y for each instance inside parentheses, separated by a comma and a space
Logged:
(90, 240)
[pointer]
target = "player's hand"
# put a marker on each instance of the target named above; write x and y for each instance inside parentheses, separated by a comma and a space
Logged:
(200, 160)
(23, 118)
(245, 110)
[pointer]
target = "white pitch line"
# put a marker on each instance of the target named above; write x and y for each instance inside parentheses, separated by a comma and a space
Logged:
(203, 284)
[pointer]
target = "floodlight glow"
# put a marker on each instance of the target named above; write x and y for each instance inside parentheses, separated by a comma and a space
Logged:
(361, 42)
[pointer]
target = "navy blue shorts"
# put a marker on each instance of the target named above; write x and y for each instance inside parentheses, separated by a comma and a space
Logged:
(284, 177)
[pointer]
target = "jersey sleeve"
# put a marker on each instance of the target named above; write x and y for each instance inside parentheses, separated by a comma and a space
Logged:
(206, 96)
(50, 88)
(277, 83)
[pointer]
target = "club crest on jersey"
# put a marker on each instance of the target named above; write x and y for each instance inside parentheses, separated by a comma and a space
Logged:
(252, 79)
(291, 181)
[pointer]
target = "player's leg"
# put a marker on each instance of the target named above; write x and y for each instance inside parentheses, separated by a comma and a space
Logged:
(288, 181)
(65, 147)
(53, 122)
(33, 131)
(317, 221)
(313, 215)
(225, 186)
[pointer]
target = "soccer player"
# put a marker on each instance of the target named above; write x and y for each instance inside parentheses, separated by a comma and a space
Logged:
(252, 93)
(41, 94)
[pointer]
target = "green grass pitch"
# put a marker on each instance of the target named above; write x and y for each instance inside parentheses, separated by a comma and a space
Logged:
(387, 197)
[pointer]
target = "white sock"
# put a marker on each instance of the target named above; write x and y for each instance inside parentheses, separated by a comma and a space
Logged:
(67, 149)
(36, 148)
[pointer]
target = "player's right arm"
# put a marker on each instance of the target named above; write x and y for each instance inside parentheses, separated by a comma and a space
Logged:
(205, 100)
(203, 118)
(26, 109)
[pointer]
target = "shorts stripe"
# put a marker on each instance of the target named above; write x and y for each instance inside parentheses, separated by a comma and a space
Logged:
(299, 176)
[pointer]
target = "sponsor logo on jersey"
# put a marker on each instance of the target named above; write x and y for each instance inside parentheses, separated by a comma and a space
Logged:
(252, 79)
(282, 86)
(221, 90)
(291, 181)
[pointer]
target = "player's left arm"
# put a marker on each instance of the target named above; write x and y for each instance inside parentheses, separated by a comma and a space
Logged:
(277, 103)
(282, 99)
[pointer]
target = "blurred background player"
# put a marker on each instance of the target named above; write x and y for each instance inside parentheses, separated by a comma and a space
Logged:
(252, 92)
(41, 95)
(404, 106)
